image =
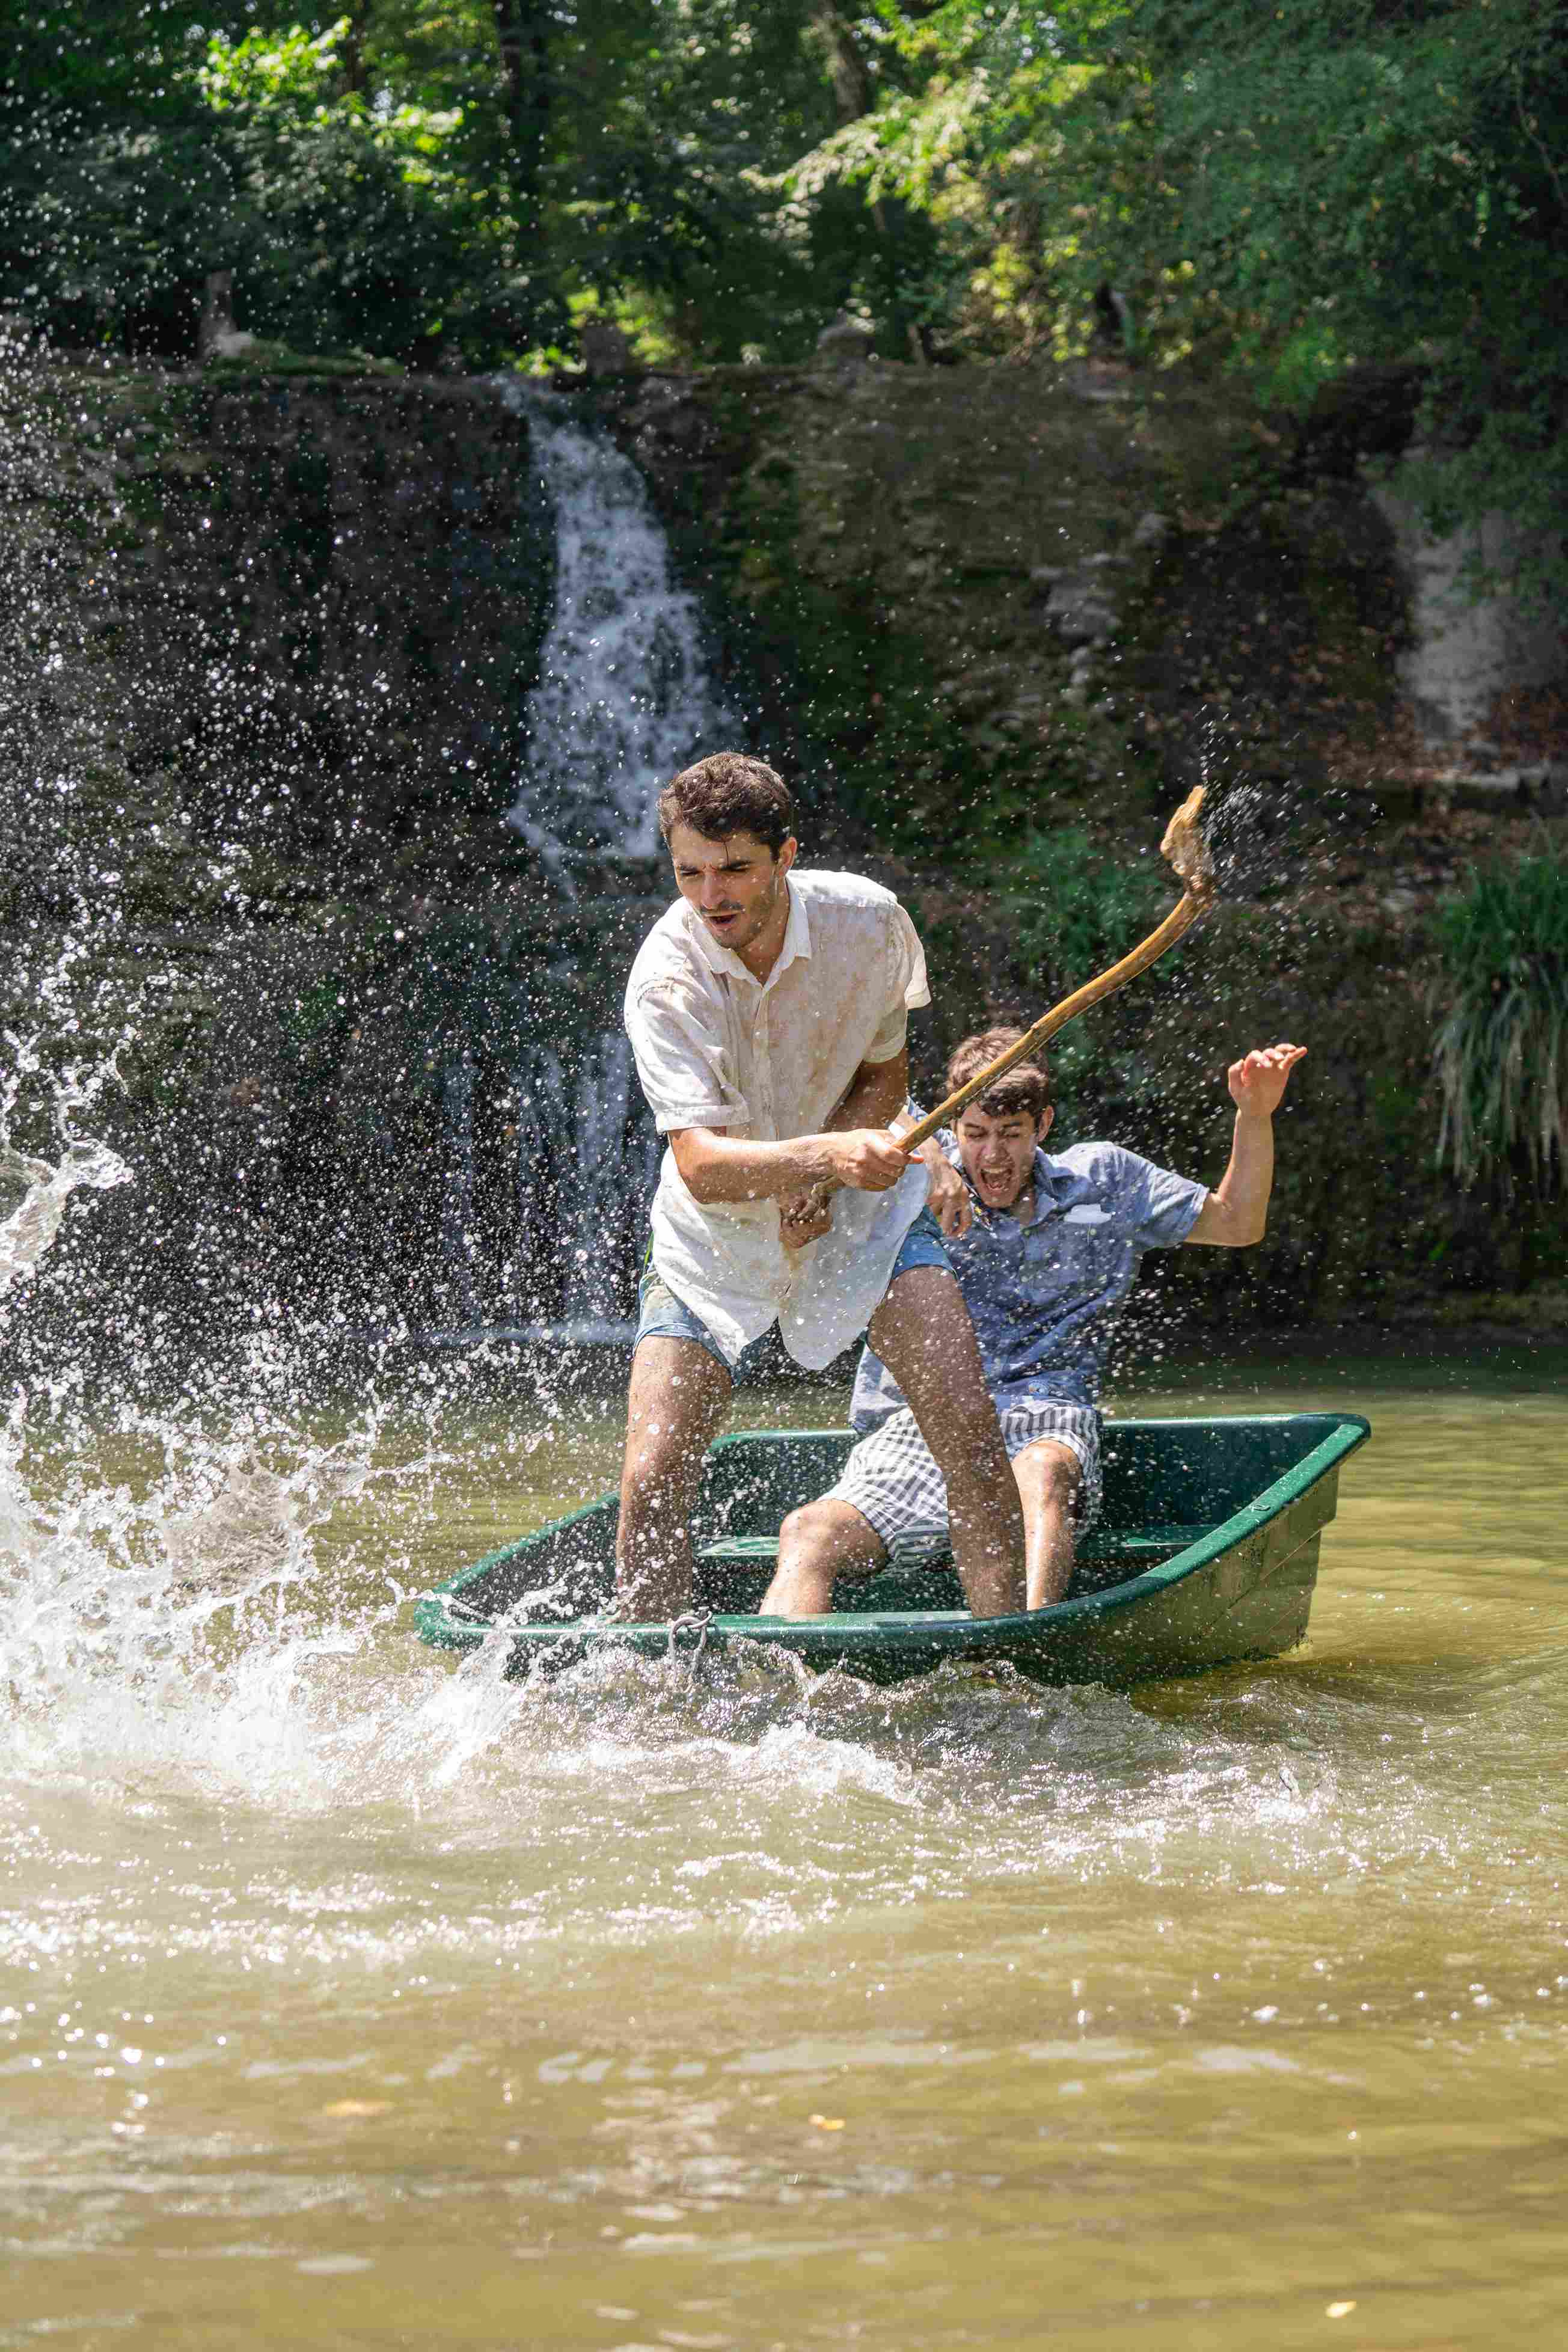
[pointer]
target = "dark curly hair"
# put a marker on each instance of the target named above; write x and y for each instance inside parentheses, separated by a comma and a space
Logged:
(726, 793)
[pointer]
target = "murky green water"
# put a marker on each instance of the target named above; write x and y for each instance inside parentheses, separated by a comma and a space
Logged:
(350, 2000)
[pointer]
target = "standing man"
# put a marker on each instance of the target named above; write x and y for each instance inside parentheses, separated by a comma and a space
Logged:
(767, 1012)
(1047, 1253)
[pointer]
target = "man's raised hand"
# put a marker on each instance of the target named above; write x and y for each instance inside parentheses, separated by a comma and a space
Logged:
(1258, 1080)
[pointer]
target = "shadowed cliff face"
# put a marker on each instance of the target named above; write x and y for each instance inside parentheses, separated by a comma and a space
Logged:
(288, 627)
(335, 618)
(986, 589)
(267, 653)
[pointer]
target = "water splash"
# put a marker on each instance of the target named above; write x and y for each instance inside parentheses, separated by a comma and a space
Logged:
(34, 1193)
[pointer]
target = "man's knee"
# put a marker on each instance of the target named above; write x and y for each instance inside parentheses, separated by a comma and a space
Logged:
(817, 1542)
(795, 1531)
(832, 1535)
(809, 1532)
(1051, 1472)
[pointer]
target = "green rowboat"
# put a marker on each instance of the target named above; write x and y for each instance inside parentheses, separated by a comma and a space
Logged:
(1205, 1553)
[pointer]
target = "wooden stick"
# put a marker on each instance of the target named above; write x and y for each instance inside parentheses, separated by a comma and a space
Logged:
(1183, 846)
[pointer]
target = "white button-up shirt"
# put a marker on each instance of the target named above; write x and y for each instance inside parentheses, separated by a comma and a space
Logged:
(769, 1060)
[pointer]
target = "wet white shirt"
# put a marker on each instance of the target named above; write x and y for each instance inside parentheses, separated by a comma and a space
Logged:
(768, 1060)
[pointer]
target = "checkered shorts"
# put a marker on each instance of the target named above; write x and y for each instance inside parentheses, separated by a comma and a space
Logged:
(892, 1479)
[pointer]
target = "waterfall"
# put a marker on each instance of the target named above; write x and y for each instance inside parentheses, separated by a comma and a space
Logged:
(624, 700)
(587, 1162)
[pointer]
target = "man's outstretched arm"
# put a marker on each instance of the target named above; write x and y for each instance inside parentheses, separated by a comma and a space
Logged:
(1235, 1213)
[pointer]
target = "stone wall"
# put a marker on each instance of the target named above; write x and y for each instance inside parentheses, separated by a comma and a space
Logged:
(265, 650)
(264, 647)
(1464, 650)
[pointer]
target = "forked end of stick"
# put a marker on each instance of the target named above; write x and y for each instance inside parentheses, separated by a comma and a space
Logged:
(1185, 847)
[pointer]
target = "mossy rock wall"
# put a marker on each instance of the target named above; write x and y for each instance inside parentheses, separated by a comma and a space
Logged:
(884, 548)
(266, 649)
(909, 566)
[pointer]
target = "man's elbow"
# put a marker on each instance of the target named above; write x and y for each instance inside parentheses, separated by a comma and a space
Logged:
(694, 1163)
(1223, 1227)
(1245, 1233)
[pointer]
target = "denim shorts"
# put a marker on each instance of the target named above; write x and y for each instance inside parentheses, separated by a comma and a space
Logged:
(662, 1316)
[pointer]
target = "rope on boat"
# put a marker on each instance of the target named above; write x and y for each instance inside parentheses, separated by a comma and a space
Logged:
(695, 1621)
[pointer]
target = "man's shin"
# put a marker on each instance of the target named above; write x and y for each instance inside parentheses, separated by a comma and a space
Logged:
(988, 1552)
(654, 1564)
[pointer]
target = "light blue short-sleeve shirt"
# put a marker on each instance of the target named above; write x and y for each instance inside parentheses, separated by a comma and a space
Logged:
(1045, 1296)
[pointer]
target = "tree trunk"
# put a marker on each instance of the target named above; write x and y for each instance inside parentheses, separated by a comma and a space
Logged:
(353, 49)
(846, 68)
(522, 35)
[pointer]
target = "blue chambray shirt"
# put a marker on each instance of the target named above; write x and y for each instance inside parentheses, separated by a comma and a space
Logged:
(1045, 1296)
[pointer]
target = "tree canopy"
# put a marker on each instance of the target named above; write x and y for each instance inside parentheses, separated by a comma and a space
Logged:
(1285, 191)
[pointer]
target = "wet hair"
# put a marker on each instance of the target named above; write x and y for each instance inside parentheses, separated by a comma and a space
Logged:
(1024, 1089)
(729, 794)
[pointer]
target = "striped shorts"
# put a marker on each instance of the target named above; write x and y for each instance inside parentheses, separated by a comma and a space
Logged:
(892, 1479)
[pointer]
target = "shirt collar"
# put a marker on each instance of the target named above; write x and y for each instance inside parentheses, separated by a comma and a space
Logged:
(1049, 1175)
(720, 958)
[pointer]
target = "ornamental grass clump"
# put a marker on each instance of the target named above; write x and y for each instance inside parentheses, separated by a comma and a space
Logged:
(1502, 1051)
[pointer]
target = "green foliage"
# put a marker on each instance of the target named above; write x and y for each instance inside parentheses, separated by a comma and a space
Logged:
(1072, 911)
(1381, 184)
(1502, 1051)
(416, 173)
(344, 224)
(1289, 190)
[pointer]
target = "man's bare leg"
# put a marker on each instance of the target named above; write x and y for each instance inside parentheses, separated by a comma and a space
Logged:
(923, 1333)
(821, 1540)
(827, 1538)
(679, 1392)
(1049, 1478)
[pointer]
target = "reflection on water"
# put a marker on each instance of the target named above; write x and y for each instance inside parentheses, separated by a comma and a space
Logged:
(349, 1997)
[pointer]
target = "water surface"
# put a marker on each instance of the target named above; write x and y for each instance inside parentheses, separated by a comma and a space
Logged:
(349, 1997)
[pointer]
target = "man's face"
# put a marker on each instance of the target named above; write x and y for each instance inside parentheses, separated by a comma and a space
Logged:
(736, 885)
(998, 1153)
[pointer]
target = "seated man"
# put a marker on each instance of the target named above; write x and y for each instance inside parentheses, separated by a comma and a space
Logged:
(767, 1010)
(1045, 1260)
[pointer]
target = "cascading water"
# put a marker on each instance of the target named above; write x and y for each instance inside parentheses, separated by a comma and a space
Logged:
(587, 1165)
(624, 699)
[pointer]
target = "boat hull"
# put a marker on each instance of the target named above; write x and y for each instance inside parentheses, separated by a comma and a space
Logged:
(1208, 1556)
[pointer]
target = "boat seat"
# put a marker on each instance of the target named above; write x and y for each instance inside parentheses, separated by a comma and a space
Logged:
(1104, 1543)
(733, 1574)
